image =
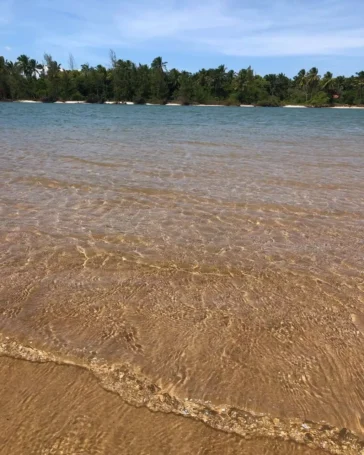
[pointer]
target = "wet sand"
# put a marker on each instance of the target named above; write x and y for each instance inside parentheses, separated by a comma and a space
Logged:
(64, 410)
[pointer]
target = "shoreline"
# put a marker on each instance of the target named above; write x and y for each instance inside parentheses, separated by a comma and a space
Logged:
(73, 392)
(130, 103)
(138, 391)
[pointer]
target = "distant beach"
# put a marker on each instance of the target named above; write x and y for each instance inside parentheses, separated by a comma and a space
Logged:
(130, 103)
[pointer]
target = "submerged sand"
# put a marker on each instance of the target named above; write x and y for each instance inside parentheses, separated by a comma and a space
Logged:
(194, 289)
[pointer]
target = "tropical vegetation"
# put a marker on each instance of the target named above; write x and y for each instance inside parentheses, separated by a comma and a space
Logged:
(124, 81)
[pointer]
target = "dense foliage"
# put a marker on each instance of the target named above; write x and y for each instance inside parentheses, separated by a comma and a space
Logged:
(126, 81)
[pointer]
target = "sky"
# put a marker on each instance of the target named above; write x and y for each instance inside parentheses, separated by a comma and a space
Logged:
(270, 35)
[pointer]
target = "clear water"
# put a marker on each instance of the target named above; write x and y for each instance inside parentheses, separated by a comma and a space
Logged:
(214, 253)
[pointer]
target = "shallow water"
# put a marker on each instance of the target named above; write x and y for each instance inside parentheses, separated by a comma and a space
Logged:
(208, 254)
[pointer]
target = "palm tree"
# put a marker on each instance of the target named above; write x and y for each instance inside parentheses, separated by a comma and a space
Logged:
(100, 75)
(272, 81)
(101, 69)
(29, 67)
(35, 68)
(313, 78)
(301, 80)
(242, 81)
(23, 63)
(85, 68)
(313, 74)
(174, 80)
(53, 68)
(12, 67)
(328, 80)
(159, 64)
(219, 77)
(300, 76)
(328, 84)
(159, 83)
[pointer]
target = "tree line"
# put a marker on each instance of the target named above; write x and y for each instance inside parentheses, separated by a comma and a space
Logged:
(124, 80)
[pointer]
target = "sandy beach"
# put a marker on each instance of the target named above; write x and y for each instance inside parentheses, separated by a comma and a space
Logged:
(294, 106)
(348, 107)
(130, 103)
(27, 101)
(30, 390)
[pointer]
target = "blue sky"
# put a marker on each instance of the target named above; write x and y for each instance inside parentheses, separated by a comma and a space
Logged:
(270, 35)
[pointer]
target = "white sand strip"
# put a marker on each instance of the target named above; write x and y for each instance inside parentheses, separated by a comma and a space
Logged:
(347, 107)
(27, 101)
(295, 106)
(209, 105)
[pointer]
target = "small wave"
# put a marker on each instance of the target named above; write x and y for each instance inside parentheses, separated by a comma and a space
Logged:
(139, 391)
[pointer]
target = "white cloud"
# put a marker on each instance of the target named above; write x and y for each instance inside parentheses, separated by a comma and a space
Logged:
(167, 22)
(277, 28)
(290, 43)
(7, 48)
(225, 27)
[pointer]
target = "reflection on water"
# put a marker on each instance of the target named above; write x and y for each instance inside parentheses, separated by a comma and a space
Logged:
(205, 256)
